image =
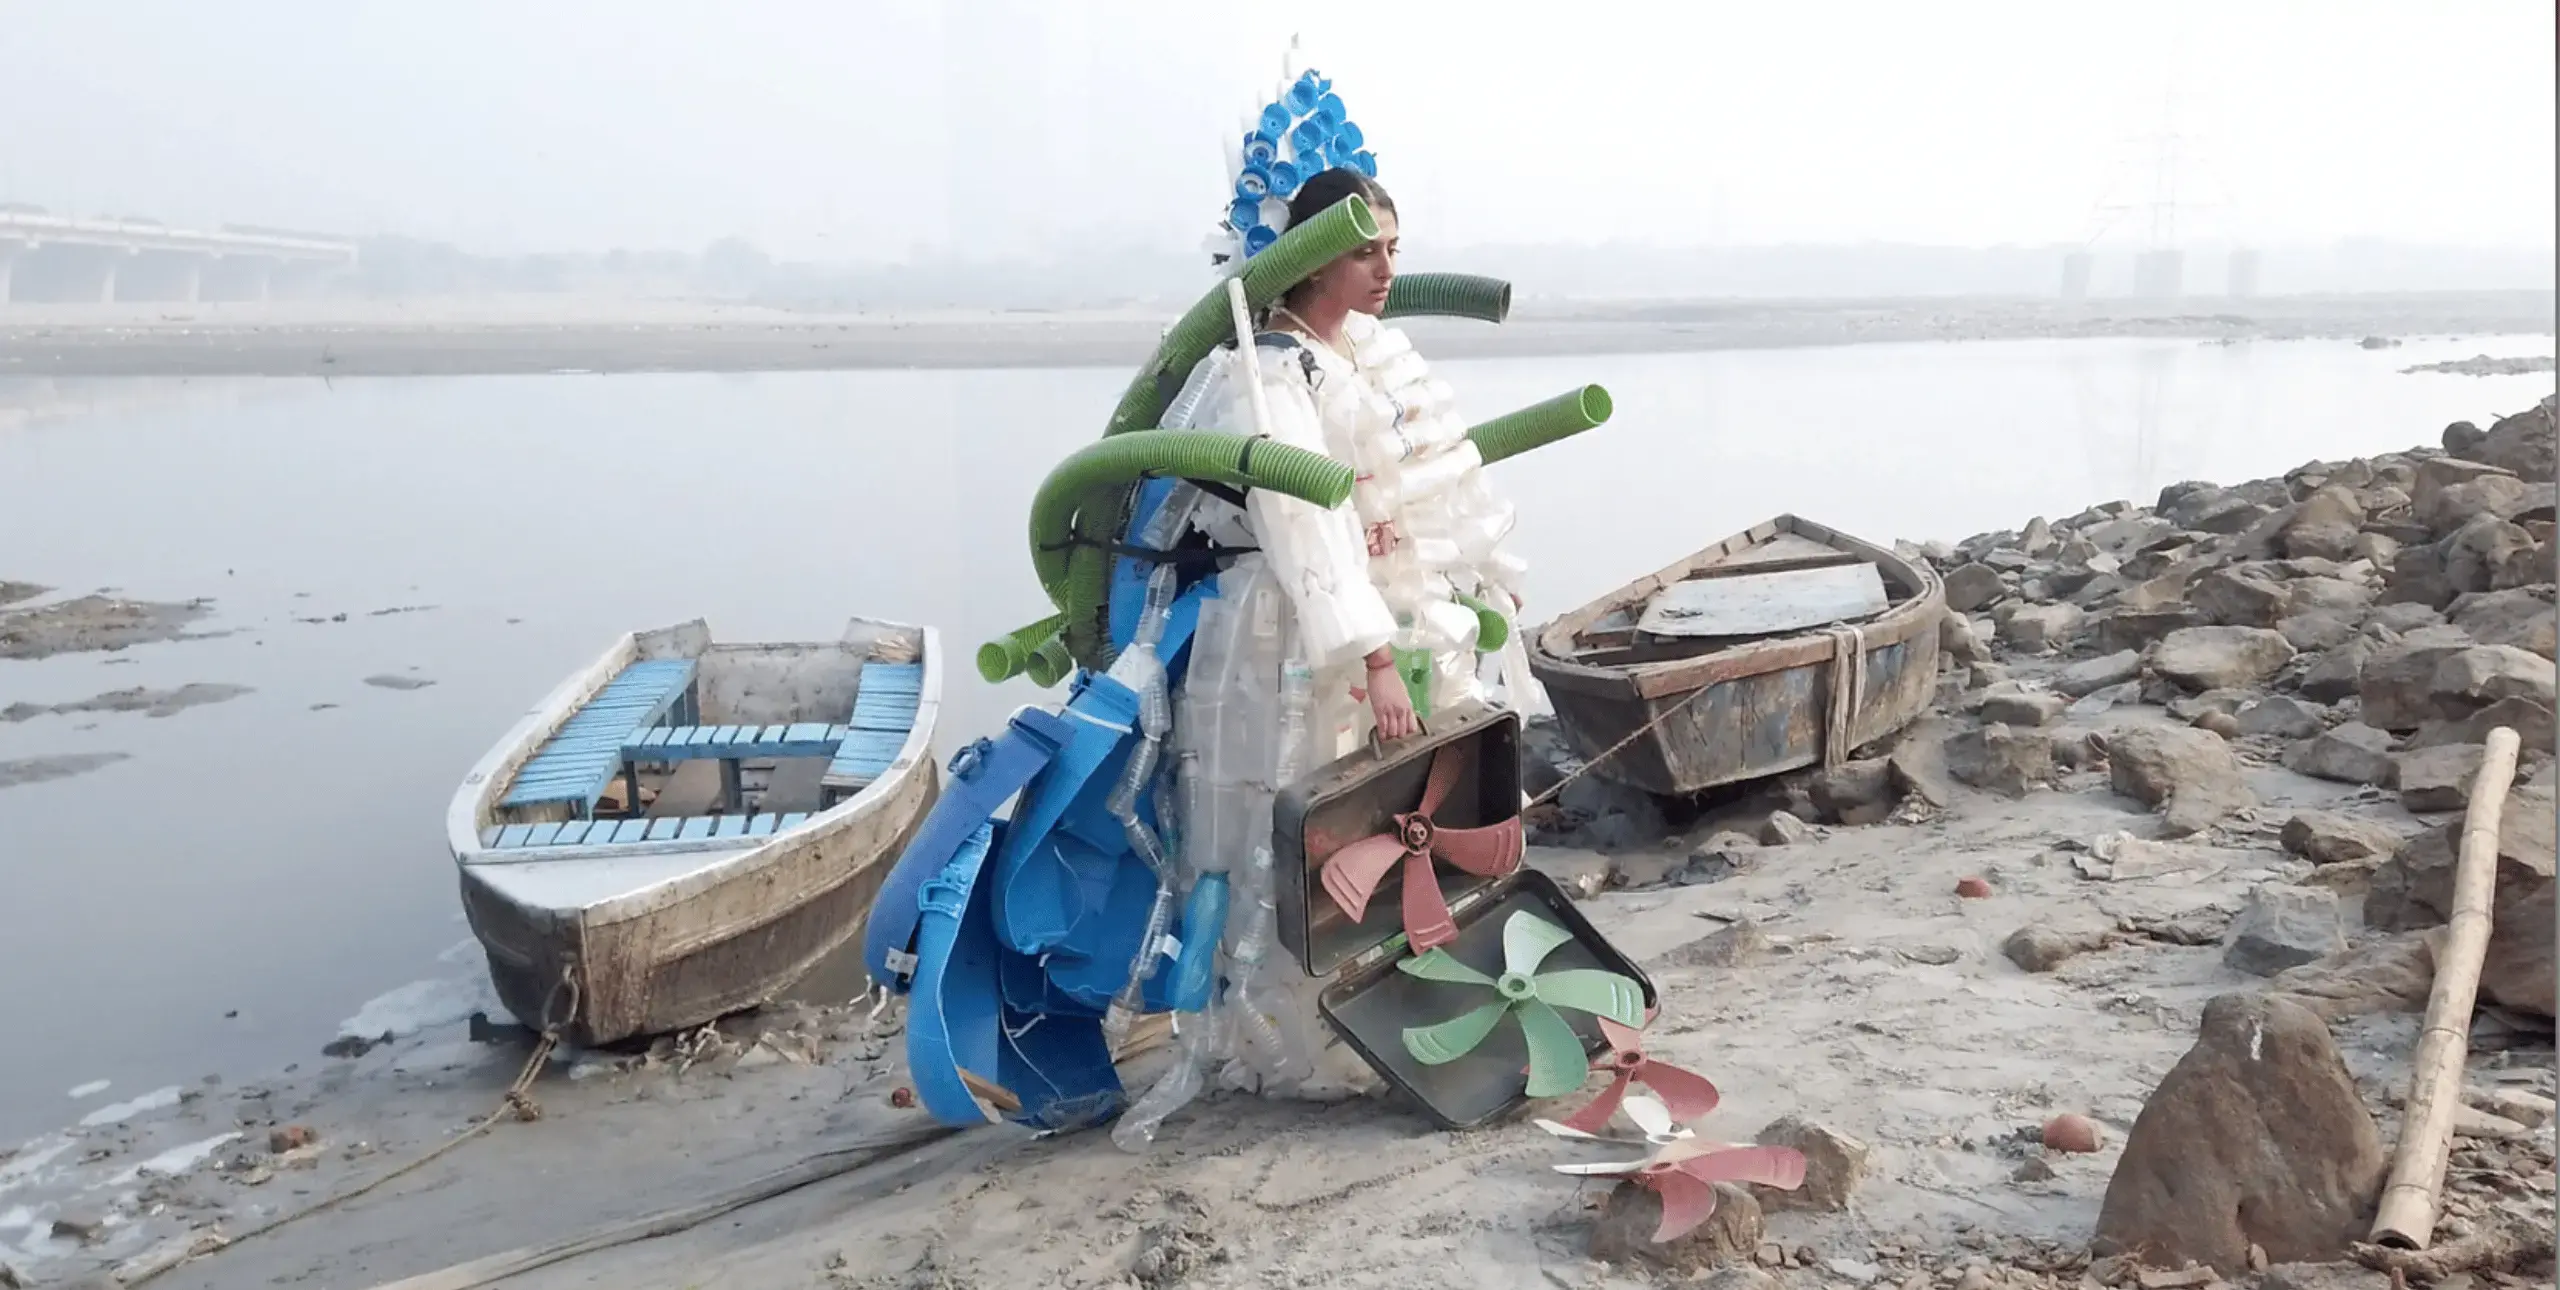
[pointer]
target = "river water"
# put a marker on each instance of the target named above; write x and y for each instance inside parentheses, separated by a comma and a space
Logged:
(261, 872)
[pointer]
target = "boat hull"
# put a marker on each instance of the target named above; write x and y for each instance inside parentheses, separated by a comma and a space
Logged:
(736, 944)
(1749, 710)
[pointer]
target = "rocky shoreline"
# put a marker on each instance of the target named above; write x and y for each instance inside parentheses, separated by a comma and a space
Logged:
(2105, 972)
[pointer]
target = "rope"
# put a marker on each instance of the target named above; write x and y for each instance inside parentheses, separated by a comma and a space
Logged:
(1849, 645)
(1848, 693)
(517, 1100)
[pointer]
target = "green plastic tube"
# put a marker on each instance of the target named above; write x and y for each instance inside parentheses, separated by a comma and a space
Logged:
(1449, 295)
(1083, 506)
(1280, 266)
(1009, 655)
(1493, 631)
(1540, 424)
(1050, 663)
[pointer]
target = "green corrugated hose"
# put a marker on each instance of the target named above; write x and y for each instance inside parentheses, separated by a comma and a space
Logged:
(1449, 295)
(1010, 655)
(1074, 509)
(1540, 424)
(1493, 631)
(1050, 663)
(1280, 266)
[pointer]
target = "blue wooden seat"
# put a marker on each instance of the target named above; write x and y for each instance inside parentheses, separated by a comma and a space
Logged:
(884, 711)
(660, 744)
(580, 757)
(591, 833)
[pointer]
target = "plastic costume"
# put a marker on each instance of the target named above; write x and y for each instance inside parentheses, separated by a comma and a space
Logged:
(1216, 590)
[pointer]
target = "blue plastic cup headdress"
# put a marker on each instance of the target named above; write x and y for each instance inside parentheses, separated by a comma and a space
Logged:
(1302, 96)
(1258, 237)
(1244, 214)
(1313, 162)
(1347, 140)
(1308, 137)
(1365, 163)
(1274, 123)
(1260, 151)
(1284, 179)
(1254, 183)
(1331, 110)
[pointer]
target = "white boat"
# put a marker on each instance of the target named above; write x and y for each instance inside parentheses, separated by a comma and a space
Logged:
(683, 829)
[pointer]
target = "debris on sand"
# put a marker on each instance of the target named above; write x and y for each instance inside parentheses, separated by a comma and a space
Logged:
(394, 681)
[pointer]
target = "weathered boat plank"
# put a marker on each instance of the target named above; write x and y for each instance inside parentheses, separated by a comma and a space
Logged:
(1758, 604)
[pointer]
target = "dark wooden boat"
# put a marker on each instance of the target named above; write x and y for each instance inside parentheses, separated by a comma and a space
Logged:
(1819, 643)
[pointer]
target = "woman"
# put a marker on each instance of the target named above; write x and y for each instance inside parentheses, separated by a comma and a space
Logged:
(1371, 591)
(1382, 577)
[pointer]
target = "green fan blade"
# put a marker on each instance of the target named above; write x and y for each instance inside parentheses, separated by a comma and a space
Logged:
(1527, 940)
(1602, 994)
(1556, 1063)
(1439, 965)
(1456, 1037)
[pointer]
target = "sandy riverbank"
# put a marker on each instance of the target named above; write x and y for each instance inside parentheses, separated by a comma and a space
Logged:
(2286, 667)
(453, 338)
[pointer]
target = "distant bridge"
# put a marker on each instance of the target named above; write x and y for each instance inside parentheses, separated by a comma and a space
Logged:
(55, 257)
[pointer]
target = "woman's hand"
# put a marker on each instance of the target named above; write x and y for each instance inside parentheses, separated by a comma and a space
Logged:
(1388, 701)
(1382, 538)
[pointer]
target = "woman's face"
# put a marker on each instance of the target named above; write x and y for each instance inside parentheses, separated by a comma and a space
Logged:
(1360, 278)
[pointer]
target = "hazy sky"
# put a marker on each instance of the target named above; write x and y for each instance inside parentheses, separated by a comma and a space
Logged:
(866, 130)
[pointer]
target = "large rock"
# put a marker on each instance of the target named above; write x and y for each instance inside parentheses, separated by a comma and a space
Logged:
(2521, 616)
(2469, 680)
(2282, 717)
(2337, 673)
(1855, 792)
(2531, 721)
(2000, 760)
(1972, 586)
(2187, 774)
(2522, 443)
(2256, 1138)
(2415, 887)
(2014, 705)
(2397, 685)
(2436, 779)
(2520, 969)
(1631, 1214)
(2324, 525)
(2213, 658)
(2281, 927)
(2128, 628)
(2234, 599)
(2354, 753)
(1956, 641)
(1834, 1165)
(2324, 593)
(2470, 482)
(2039, 628)
(2319, 629)
(2099, 673)
(2326, 837)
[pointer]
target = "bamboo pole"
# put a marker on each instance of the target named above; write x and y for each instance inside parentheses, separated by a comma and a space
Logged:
(2406, 1217)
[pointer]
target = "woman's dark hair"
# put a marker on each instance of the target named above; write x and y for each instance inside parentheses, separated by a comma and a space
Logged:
(1329, 186)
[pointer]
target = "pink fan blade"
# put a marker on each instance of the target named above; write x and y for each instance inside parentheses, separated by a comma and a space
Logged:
(1488, 852)
(1426, 915)
(1686, 1202)
(1595, 1117)
(1352, 875)
(1443, 776)
(1686, 1094)
(1779, 1167)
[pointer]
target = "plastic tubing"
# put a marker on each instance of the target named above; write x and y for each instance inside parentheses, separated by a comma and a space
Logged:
(1492, 629)
(1010, 655)
(1448, 295)
(1282, 265)
(1540, 424)
(1086, 497)
(1050, 663)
